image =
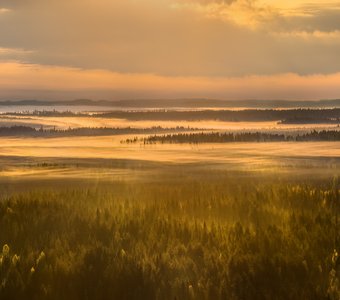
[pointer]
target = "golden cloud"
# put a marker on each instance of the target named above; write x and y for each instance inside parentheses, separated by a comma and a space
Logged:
(16, 76)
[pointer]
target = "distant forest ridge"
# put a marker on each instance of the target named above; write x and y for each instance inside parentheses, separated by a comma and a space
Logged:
(87, 131)
(179, 103)
(283, 116)
(176, 135)
(217, 137)
(287, 116)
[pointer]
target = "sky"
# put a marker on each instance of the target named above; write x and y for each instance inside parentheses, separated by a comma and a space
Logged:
(126, 49)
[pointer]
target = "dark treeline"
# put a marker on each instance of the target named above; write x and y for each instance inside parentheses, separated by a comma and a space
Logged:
(217, 137)
(85, 131)
(309, 120)
(227, 239)
(17, 130)
(44, 113)
(284, 116)
(311, 115)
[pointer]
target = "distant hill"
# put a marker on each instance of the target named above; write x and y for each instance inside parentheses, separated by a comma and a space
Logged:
(283, 115)
(180, 103)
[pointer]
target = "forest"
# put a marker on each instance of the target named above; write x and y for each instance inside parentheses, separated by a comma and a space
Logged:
(247, 115)
(229, 236)
(284, 116)
(20, 130)
(218, 137)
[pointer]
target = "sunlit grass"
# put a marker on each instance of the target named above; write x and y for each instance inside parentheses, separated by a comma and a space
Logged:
(226, 237)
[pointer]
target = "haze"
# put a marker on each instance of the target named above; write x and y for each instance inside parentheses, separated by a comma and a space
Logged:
(233, 49)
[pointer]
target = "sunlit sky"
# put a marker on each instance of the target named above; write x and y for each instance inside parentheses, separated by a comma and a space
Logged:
(117, 49)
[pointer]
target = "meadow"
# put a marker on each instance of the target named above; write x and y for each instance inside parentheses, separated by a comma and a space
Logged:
(198, 234)
(90, 217)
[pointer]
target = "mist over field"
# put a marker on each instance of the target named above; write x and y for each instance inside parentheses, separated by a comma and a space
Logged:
(169, 150)
(168, 203)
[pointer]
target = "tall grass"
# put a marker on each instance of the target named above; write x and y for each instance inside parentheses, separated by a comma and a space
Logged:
(227, 238)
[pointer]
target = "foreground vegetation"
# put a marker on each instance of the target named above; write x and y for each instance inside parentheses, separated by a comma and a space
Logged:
(223, 237)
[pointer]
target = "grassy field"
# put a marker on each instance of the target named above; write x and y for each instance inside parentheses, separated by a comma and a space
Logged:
(90, 217)
(198, 234)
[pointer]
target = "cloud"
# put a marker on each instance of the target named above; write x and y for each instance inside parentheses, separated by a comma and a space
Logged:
(4, 10)
(19, 80)
(309, 19)
(14, 53)
(255, 14)
(203, 2)
(247, 13)
(192, 38)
